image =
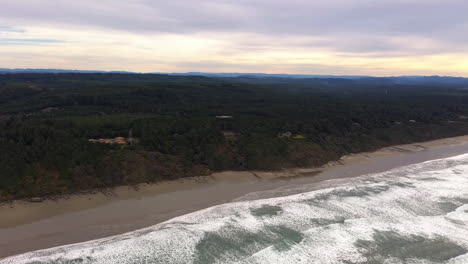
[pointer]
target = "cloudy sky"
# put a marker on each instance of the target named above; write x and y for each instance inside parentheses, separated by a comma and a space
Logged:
(350, 37)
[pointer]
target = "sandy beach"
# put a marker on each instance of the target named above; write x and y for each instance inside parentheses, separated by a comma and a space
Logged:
(26, 226)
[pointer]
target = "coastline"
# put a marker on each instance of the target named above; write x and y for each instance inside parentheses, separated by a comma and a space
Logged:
(26, 226)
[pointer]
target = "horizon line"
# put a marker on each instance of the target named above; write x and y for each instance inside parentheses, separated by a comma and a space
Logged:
(233, 73)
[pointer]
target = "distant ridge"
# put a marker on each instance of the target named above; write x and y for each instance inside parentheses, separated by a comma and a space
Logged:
(394, 80)
(206, 74)
(267, 75)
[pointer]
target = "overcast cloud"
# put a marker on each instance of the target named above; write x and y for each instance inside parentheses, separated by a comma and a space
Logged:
(361, 28)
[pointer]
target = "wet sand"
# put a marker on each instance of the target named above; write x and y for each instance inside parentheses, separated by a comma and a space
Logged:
(26, 226)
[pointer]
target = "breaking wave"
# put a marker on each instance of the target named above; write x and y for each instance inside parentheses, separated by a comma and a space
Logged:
(412, 214)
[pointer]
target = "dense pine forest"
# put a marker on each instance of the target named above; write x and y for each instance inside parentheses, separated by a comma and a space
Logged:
(181, 126)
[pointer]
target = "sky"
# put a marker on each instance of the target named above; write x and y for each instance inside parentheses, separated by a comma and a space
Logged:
(339, 37)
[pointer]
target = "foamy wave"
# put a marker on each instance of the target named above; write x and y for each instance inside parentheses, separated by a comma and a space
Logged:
(413, 214)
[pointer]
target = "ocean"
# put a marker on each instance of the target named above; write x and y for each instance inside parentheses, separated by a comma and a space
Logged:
(412, 214)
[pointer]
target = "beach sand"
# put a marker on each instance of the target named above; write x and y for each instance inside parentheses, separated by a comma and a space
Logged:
(26, 226)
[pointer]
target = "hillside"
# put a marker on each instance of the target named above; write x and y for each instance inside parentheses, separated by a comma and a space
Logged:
(51, 124)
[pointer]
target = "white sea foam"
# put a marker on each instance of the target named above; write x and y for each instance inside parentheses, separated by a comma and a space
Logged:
(413, 214)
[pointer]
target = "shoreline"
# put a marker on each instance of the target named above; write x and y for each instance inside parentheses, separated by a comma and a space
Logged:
(27, 226)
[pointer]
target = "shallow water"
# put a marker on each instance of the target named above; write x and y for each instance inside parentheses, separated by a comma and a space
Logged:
(412, 214)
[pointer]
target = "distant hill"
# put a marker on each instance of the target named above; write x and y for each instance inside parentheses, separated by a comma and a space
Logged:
(266, 75)
(298, 78)
(427, 80)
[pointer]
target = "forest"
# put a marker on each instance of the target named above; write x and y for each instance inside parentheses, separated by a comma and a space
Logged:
(186, 126)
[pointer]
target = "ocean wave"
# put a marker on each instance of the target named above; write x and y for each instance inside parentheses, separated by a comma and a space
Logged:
(412, 214)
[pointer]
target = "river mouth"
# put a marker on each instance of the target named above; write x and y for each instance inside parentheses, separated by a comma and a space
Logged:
(412, 214)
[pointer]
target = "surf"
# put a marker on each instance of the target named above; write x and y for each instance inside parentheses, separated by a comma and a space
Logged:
(413, 214)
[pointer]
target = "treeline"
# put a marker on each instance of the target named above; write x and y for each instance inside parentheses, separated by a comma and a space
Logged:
(46, 121)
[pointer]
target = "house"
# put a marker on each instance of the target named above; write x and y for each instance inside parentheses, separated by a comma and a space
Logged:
(286, 134)
(120, 140)
(299, 137)
(224, 117)
(230, 134)
(117, 140)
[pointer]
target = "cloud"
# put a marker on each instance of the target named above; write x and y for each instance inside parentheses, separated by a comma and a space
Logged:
(256, 16)
(10, 29)
(375, 20)
(319, 33)
(7, 41)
